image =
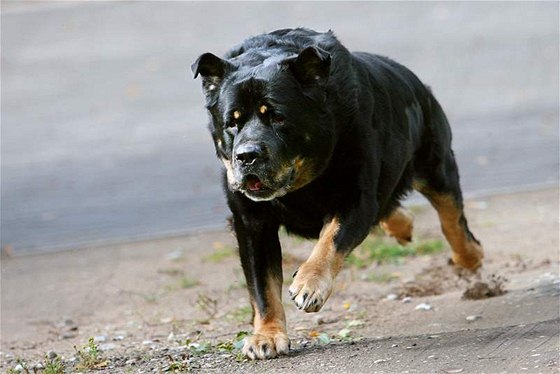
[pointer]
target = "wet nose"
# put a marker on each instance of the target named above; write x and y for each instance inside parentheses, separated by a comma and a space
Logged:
(248, 153)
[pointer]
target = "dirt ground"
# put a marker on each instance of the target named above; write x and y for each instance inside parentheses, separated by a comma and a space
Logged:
(177, 305)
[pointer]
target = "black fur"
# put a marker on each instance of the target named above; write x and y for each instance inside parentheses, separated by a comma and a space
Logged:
(365, 126)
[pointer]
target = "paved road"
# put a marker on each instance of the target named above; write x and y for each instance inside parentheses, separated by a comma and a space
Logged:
(103, 131)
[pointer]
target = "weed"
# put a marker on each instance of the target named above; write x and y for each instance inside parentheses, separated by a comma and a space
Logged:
(171, 272)
(380, 278)
(208, 305)
(233, 346)
(199, 348)
(187, 282)
(89, 357)
(21, 367)
(149, 298)
(242, 314)
(54, 366)
(177, 366)
(220, 254)
(429, 247)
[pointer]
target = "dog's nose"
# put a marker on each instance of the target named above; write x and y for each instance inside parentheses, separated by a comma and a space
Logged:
(248, 153)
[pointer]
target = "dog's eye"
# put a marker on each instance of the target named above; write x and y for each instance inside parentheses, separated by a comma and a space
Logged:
(234, 119)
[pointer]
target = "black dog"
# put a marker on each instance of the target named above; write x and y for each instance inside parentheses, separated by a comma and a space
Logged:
(324, 142)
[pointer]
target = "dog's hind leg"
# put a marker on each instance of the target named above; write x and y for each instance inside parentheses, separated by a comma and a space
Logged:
(399, 225)
(441, 187)
(436, 176)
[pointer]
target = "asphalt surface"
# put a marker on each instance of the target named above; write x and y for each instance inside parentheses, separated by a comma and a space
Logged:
(103, 129)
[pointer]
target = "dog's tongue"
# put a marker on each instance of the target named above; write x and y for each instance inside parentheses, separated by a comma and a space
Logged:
(254, 183)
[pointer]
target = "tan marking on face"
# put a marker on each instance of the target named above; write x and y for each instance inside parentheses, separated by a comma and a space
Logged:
(229, 170)
(263, 109)
(399, 225)
(467, 253)
(314, 280)
(236, 114)
(304, 173)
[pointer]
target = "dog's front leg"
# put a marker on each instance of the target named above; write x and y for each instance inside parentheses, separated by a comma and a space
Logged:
(261, 259)
(314, 280)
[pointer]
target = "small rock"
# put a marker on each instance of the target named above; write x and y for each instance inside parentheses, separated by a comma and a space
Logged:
(380, 361)
(174, 255)
(473, 318)
(423, 306)
(99, 339)
(51, 355)
(407, 299)
(118, 338)
(318, 320)
(130, 362)
(107, 346)
(394, 345)
(147, 342)
(171, 337)
(392, 296)
(18, 368)
(68, 335)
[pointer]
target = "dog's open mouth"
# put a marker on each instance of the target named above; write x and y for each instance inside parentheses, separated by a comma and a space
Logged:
(256, 189)
(254, 184)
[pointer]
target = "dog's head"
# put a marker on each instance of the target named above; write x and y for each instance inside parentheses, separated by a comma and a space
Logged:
(268, 118)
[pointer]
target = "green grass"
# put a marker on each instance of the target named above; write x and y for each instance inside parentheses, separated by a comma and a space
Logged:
(381, 277)
(186, 282)
(220, 254)
(241, 315)
(376, 250)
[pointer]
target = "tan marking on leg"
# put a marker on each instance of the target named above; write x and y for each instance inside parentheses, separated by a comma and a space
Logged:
(467, 253)
(269, 338)
(314, 280)
(399, 225)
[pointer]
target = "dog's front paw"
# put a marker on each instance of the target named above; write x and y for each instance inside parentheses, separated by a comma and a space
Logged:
(266, 344)
(311, 287)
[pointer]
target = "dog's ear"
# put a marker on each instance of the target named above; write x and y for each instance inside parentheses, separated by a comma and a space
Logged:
(311, 66)
(212, 69)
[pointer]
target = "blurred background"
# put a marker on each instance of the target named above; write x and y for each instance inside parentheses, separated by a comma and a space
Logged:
(103, 130)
